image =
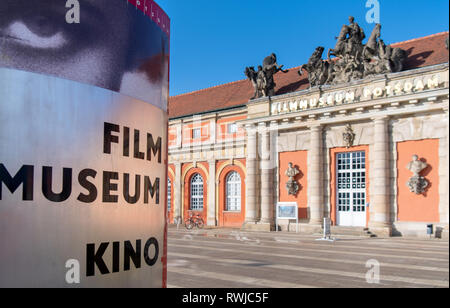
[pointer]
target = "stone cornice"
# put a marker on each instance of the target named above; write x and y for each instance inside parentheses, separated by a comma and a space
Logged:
(208, 147)
(359, 83)
(368, 117)
(402, 104)
(208, 115)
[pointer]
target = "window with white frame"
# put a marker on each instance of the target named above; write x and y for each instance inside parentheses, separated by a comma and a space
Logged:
(232, 128)
(233, 192)
(196, 133)
(169, 194)
(197, 193)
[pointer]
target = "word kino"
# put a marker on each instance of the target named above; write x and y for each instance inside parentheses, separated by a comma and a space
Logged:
(348, 97)
(109, 191)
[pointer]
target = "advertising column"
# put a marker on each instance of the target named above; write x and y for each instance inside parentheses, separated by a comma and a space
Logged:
(83, 143)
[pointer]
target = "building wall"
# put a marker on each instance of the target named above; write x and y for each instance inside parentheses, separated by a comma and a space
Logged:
(423, 207)
(222, 125)
(214, 155)
(389, 125)
(228, 218)
(187, 133)
(299, 159)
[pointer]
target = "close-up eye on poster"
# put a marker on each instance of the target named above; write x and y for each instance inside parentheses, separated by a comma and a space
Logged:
(83, 143)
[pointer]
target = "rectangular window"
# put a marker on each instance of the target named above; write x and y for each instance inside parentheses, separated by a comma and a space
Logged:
(196, 133)
(232, 128)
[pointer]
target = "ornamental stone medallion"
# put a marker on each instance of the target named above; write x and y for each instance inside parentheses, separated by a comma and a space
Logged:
(348, 136)
(292, 186)
(417, 184)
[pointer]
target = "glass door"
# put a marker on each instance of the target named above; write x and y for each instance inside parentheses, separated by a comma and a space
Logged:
(351, 189)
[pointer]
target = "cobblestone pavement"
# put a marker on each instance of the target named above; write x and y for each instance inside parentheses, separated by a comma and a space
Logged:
(224, 258)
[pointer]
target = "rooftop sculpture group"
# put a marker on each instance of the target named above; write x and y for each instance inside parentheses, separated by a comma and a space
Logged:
(354, 60)
(262, 79)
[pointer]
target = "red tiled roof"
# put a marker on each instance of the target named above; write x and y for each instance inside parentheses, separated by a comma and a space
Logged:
(425, 51)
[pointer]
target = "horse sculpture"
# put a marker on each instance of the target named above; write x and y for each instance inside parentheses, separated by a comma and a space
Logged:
(318, 70)
(341, 45)
(371, 48)
(397, 59)
(379, 58)
(354, 60)
(252, 76)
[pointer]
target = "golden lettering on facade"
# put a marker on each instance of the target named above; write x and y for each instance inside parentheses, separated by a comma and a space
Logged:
(347, 97)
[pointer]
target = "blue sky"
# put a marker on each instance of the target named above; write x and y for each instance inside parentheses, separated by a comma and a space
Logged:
(213, 41)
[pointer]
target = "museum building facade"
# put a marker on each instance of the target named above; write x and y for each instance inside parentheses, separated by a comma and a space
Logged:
(370, 153)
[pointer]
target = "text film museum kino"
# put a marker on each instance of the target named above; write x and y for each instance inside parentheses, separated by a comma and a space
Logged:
(360, 138)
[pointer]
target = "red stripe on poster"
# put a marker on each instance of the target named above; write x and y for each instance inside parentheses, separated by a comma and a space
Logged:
(154, 11)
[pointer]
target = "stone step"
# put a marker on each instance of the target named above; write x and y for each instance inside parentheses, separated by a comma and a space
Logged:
(356, 231)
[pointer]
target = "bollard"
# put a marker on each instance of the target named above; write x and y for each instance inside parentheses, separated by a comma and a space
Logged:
(430, 230)
(326, 231)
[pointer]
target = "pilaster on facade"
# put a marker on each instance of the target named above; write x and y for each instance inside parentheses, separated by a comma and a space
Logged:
(315, 176)
(211, 215)
(177, 192)
(266, 177)
(380, 222)
(444, 151)
(251, 213)
(213, 128)
(274, 132)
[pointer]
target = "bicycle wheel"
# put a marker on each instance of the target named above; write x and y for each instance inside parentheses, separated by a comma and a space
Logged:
(200, 223)
(189, 224)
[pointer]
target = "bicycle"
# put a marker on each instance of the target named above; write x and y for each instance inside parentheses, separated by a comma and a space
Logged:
(194, 220)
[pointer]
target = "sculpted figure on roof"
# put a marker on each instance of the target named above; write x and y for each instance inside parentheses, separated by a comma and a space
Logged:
(318, 69)
(379, 58)
(271, 67)
(354, 60)
(252, 75)
(263, 80)
(259, 81)
(349, 41)
(356, 35)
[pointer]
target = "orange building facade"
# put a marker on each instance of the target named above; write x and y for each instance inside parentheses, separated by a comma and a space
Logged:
(228, 155)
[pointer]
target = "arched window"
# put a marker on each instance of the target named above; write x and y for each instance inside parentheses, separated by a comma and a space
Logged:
(233, 192)
(197, 192)
(169, 194)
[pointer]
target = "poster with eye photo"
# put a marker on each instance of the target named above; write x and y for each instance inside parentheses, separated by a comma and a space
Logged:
(114, 44)
(83, 143)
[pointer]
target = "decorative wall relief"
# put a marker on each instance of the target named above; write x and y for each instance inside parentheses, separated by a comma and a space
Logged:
(348, 136)
(292, 186)
(417, 184)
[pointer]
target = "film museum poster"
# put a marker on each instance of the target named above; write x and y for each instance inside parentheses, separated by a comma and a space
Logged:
(83, 143)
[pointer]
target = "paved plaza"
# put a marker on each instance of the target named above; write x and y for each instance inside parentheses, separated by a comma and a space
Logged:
(225, 258)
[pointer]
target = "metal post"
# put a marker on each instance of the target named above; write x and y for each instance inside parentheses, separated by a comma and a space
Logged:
(326, 231)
